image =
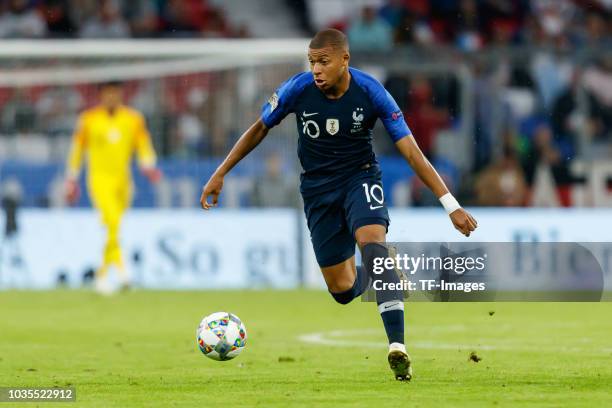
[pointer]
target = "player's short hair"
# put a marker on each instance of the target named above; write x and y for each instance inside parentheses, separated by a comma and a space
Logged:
(110, 84)
(329, 37)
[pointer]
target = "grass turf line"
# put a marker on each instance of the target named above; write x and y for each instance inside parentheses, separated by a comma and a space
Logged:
(139, 349)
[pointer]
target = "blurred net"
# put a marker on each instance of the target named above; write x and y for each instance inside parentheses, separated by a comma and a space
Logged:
(195, 105)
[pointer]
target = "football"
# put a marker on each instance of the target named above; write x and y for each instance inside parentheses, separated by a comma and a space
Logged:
(221, 336)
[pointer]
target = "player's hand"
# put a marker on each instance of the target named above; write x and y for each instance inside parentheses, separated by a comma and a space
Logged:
(72, 191)
(463, 221)
(212, 188)
(153, 174)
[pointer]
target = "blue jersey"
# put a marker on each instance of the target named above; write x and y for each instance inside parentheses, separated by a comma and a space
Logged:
(335, 135)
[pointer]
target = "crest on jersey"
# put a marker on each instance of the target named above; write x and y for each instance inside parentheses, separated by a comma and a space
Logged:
(113, 135)
(358, 115)
(357, 125)
(332, 126)
(273, 101)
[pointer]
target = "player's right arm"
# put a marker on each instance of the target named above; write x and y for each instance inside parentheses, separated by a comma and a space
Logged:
(147, 159)
(75, 160)
(247, 142)
(273, 112)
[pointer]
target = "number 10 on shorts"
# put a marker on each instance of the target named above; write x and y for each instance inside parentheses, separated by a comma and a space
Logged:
(374, 195)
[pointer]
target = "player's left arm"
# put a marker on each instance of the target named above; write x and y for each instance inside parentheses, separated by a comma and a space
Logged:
(75, 159)
(147, 159)
(462, 220)
(393, 120)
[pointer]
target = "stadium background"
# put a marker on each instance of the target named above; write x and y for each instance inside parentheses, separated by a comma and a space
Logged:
(511, 100)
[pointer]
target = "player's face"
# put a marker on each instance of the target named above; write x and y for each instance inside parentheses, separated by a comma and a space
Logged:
(328, 65)
(111, 96)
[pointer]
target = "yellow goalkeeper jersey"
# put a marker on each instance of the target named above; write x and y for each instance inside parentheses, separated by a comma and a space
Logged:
(109, 142)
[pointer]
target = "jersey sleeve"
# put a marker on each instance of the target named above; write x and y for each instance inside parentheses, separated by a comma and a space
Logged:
(144, 147)
(281, 102)
(77, 148)
(390, 114)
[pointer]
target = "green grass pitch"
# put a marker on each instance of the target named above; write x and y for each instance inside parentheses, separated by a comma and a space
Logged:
(139, 349)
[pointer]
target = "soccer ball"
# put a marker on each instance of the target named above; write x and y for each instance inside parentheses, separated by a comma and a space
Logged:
(221, 336)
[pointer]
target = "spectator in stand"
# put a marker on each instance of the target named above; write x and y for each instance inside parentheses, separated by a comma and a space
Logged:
(370, 32)
(503, 34)
(547, 153)
(108, 23)
(422, 30)
(59, 23)
(404, 34)
(502, 18)
(393, 12)
(570, 121)
(502, 183)
(468, 24)
(553, 18)
(300, 8)
(183, 18)
(486, 100)
(414, 29)
(274, 188)
(598, 81)
(242, 31)
(82, 10)
(552, 73)
(17, 115)
(57, 110)
(597, 29)
(21, 20)
(142, 17)
(216, 25)
(425, 119)
(191, 130)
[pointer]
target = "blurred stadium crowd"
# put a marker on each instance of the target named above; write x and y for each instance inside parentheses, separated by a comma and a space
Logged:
(114, 19)
(466, 24)
(540, 80)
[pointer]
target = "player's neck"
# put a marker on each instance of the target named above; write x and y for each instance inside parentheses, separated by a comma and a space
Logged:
(341, 87)
(111, 110)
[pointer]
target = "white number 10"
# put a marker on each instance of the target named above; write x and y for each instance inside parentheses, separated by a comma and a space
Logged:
(374, 192)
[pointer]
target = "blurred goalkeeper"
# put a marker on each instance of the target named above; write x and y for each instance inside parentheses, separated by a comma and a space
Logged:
(109, 134)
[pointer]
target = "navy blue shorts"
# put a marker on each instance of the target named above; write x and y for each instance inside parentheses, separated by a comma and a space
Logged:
(334, 216)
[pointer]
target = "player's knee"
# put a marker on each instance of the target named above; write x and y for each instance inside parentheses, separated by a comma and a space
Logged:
(340, 283)
(369, 234)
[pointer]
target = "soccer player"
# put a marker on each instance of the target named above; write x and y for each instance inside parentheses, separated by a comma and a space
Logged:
(336, 107)
(109, 134)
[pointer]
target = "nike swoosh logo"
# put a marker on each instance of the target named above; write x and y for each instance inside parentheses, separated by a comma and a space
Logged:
(304, 114)
(375, 207)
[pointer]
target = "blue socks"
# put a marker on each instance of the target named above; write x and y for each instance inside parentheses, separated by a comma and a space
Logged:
(392, 314)
(390, 302)
(362, 282)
